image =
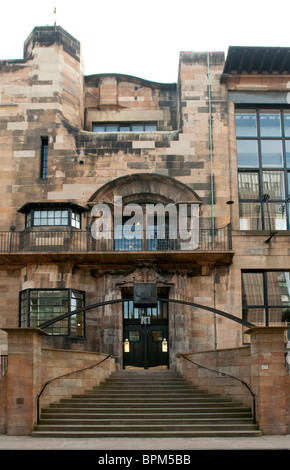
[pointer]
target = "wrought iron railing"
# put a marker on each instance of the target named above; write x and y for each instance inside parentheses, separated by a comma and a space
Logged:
(73, 240)
(224, 374)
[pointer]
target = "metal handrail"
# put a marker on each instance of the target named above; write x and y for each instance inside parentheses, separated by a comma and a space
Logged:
(66, 375)
(224, 374)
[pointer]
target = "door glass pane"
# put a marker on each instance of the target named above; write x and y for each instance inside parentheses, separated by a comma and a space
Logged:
(273, 184)
(247, 153)
(252, 289)
(271, 151)
(248, 185)
(246, 124)
(157, 335)
(134, 336)
(270, 124)
(250, 216)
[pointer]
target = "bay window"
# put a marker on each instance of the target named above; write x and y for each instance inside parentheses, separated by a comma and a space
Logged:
(40, 305)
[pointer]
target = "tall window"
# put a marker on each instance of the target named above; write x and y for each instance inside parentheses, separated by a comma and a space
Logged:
(263, 155)
(44, 154)
(266, 297)
(40, 305)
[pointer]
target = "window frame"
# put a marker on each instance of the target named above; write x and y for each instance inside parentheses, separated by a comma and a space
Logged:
(27, 312)
(30, 217)
(266, 305)
(260, 169)
(119, 125)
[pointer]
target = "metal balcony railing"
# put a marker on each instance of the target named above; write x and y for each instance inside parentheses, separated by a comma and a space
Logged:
(75, 241)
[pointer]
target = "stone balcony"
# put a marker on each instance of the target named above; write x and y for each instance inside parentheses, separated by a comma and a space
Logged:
(210, 248)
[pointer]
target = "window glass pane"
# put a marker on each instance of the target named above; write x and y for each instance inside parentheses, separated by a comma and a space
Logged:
(277, 315)
(112, 128)
(76, 220)
(273, 184)
(277, 212)
(252, 288)
(248, 185)
(28, 220)
(250, 216)
(271, 151)
(255, 316)
(287, 124)
(246, 124)
(270, 124)
(150, 127)
(125, 128)
(137, 128)
(98, 128)
(247, 153)
(287, 147)
(278, 286)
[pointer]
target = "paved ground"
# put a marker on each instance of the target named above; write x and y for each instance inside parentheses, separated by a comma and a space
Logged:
(242, 443)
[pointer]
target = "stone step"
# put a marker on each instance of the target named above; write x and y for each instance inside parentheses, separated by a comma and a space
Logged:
(146, 404)
(143, 427)
(114, 420)
(148, 434)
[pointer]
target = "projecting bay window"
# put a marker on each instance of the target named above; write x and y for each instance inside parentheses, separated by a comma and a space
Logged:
(263, 157)
(53, 218)
(40, 305)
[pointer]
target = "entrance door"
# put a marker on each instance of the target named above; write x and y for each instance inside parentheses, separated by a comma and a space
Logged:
(145, 336)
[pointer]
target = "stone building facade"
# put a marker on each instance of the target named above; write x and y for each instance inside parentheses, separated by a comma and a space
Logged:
(216, 142)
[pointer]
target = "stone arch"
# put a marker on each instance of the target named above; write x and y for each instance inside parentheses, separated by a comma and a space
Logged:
(145, 188)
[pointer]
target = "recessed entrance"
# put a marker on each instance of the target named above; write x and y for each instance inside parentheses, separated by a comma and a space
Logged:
(145, 334)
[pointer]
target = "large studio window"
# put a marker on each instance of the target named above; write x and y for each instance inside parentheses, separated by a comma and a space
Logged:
(266, 297)
(263, 157)
(38, 306)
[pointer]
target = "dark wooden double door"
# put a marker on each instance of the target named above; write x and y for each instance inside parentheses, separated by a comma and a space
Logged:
(145, 344)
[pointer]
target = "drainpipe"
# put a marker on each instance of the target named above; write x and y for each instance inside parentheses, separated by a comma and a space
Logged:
(212, 190)
(211, 150)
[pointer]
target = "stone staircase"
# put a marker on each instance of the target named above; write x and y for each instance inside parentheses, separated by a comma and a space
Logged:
(146, 403)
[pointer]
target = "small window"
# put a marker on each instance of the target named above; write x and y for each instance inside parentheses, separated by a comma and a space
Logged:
(125, 127)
